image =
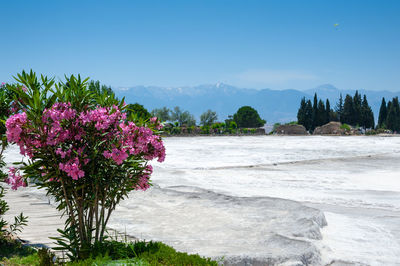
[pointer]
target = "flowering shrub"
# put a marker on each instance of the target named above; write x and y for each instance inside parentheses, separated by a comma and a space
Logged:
(7, 106)
(83, 151)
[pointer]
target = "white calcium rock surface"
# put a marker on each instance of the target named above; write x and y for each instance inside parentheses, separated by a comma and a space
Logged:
(313, 200)
(237, 229)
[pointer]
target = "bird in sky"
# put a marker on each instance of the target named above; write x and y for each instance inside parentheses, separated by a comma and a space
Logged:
(336, 24)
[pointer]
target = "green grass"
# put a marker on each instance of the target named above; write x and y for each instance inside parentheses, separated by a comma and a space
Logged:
(115, 253)
(10, 248)
(346, 127)
(154, 253)
(21, 260)
(162, 254)
(100, 261)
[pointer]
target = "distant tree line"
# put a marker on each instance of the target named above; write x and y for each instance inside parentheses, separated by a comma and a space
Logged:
(245, 117)
(356, 111)
(176, 115)
(353, 111)
(389, 115)
(312, 115)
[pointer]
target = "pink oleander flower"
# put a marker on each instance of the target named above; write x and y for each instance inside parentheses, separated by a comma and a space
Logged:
(65, 132)
(72, 168)
(107, 154)
(62, 153)
(156, 122)
(119, 155)
(14, 179)
(102, 117)
(14, 125)
(144, 178)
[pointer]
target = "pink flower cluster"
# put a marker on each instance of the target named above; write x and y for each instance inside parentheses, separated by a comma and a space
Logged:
(72, 168)
(70, 135)
(156, 122)
(142, 141)
(14, 126)
(119, 156)
(143, 182)
(14, 179)
(14, 107)
(53, 119)
(103, 117)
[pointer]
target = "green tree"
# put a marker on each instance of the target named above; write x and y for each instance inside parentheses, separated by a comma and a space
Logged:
(393, 117)
(137, 111)
(315, 112)
(327, 111)
(367, 116)
(6, 105)
(96, 87)
(382, 114)
(208, 118)
(396, 106)
(247, 116)
(182, 117)
(90, 164)
(188, 119)
(308, 122)
(339, 108)
(348, 111)
(320, 114)
(356, 115)
(305, 114)
(163, 114)
(301, 113)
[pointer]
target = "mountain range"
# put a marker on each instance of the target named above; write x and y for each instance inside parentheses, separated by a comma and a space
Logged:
(272, 105)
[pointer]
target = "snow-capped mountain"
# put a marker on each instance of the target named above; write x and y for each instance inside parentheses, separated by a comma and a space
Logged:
(272, 105)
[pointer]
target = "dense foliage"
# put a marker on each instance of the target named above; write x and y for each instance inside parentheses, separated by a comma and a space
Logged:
(208, 118)
(182, 117)
(389, 115)
(163, 114)
(98, 89)
(137, 112)
(7, 107)
(83, 151)
(356, 111)
(353, 111)
(117, 253)
(248, 117)
(10, 247)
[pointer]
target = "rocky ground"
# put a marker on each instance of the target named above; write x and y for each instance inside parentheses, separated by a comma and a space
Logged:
(234, 230)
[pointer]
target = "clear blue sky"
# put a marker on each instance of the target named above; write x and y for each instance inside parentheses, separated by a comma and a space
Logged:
(253, 44)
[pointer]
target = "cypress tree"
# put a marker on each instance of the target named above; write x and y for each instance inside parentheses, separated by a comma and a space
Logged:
(339, 108)
(308, 123)
(321, 112)
(327, 112)
(356, 116)
(315, 112)
(348, 111)
(382, 114)
(396, 108)
(371, 118)
(301, 116)
(367, 116)
(391, 116)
